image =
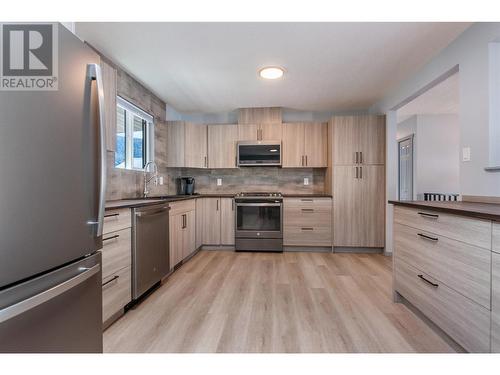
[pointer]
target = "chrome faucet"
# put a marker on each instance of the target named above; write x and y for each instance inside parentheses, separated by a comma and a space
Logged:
(153, 176)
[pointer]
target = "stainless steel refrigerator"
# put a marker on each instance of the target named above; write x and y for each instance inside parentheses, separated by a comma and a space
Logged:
(52, 184)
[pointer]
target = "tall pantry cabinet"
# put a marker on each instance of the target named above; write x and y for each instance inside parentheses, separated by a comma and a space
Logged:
(356, 179)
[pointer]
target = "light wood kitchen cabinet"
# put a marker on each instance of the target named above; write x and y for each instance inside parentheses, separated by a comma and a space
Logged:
(496, 237)
(222, 146)
(227, 221)
(116, 263)
(199, 222)
(109, 85)
(186, 145)
(182, 231)
(358, 180)
(260, 132)
(495, 302)
(211, 221)
(305, 145)
(358, 140)
(307, 222)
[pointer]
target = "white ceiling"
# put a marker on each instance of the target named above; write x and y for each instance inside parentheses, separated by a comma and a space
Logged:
(212, 67)
(444, 98)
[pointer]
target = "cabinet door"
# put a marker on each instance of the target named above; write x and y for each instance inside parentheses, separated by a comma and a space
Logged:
(227, 221)
(195, 146)
(222, 146)
(372, 198)
(372, 139)
(175, 144)
(248, 132)
(189, 234)
(270, 132)
(199, 222)
(293, 145)
(211, 221)
(345, 142)
(347, 221)
(315, 144)
(176, 239)
(109, 84)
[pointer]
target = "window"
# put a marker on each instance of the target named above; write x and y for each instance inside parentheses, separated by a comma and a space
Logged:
(134, 136)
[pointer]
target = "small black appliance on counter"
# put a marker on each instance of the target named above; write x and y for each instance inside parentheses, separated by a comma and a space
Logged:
(185, 186)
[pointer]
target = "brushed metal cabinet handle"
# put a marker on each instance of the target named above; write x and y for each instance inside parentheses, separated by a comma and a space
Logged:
(307, 210)
(111, 238)
(306, 161)
(112, 215)
(360, 172)
(307, 229)
(361, 157)
(430, 216)
(111, 280)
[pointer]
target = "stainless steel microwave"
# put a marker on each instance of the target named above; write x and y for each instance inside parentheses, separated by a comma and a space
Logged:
(259, 153)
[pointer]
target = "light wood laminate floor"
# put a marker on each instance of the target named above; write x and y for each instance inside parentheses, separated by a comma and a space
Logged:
(222, 301)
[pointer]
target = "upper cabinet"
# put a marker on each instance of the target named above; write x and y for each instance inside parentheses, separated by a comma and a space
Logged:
(259, 124)
(109, 84)
(222, 146)
(305, 145)
(358, 140)
(186, 145)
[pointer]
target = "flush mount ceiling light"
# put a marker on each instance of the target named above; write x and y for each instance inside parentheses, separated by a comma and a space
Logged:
(271, 72)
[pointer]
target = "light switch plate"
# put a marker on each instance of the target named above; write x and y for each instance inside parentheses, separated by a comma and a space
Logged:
(161, 180)
(306, 181)
(466, 154)
(219, 182)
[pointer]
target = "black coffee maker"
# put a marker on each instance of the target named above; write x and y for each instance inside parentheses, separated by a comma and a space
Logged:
(185, 186)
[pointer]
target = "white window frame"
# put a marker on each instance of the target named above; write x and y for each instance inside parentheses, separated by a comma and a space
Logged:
(150, 133)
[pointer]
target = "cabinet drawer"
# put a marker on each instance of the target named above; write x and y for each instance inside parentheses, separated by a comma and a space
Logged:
(182, 206)
(308, 217)
(316, 203)
(307, 236)
(116, 251)
(464, 320)
(462, 267)
(473, 231)
(116, 220)
(495, 303)
(496, 237)
(116, 292)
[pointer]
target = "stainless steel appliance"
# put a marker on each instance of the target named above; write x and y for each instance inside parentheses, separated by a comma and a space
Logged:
(259, 153)
(185, 185)
(150, 247)
(53, 168)
(259, 222)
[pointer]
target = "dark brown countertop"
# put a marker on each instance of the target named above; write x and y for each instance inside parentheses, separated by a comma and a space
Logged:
(318, 195)
(488, 211)
(141, 202)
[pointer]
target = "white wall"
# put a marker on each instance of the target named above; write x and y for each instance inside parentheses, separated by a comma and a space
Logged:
(407, 127)
(470, 51)
(437, 154)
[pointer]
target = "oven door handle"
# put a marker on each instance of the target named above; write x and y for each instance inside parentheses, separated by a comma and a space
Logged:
(258, 204)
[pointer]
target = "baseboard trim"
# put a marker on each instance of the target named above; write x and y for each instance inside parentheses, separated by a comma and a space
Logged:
(455, 345)
(311, 249)
(360, 250)
(217, 247)
(480, 199)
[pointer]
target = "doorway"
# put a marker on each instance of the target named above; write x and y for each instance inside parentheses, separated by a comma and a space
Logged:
(405, 164)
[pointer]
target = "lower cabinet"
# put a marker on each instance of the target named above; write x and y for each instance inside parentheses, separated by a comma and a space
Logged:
(182, 231)
(215, 221)
(307, 222)
(495, 302)
(116, 263)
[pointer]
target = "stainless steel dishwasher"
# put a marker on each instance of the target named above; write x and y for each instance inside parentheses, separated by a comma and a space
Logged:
(150, 247)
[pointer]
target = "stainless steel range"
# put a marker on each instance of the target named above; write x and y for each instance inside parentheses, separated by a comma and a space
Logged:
(259, 222)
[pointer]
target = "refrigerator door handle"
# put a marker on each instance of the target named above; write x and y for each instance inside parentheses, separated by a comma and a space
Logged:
(94, 74)
(36, 300)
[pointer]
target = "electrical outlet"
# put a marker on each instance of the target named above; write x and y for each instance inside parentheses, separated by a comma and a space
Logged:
(219, 182)
(160, 180)
(306, 181)
(466, 154)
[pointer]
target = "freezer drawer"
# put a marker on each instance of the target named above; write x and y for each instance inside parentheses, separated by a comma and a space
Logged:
(59, 312)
